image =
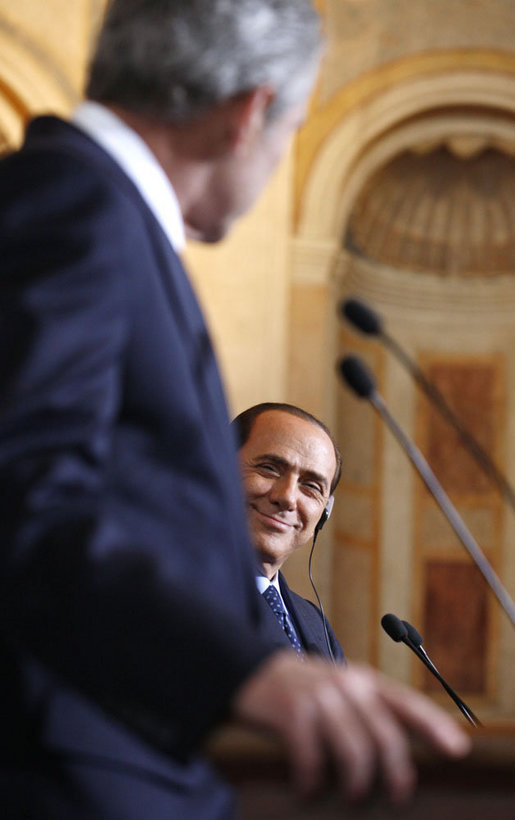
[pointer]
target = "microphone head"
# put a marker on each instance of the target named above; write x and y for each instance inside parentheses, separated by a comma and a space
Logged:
(362, 316)
(414, 636)
(358, 378)
(394, 627)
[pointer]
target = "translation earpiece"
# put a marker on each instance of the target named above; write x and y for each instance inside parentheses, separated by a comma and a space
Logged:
(325, 515)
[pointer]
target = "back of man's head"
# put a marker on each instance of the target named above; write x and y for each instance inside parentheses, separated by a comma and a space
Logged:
(172, 60)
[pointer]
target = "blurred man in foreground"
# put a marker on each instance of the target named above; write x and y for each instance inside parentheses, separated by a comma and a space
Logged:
(129, 614)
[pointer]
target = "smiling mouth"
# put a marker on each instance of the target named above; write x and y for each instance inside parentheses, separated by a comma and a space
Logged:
(273, 522)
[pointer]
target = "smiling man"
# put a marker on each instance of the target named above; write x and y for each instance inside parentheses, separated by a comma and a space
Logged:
(290, 466)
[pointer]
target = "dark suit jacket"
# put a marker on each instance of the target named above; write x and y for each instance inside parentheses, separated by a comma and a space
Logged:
(307, 619)
(128, 608)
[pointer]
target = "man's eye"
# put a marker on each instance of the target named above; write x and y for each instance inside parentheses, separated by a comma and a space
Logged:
(314, 487)
(268, 468)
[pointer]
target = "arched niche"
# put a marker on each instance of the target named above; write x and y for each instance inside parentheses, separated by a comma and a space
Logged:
(384, 563)
(463, 105)
(432, 107)
(458, 322)
(445, 209)
(384, 125)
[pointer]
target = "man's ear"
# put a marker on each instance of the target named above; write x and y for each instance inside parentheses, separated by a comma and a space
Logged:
(246, 118)
(226, 129)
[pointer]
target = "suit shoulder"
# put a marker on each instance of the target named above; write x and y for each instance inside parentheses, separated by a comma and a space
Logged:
(61, 184)
(62, 167)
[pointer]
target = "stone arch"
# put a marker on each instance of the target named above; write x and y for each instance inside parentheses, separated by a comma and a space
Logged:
(426, 107)
(429, 107)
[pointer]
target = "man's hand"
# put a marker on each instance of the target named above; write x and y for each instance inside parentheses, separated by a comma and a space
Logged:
(353, 716)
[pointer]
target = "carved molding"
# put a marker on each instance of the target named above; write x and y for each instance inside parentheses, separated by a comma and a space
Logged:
(312, 262)
(478, 301)
(427, 108)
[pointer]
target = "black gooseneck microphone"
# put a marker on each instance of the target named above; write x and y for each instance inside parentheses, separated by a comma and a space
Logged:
(403, 631)
(361, 315)
(361, 381)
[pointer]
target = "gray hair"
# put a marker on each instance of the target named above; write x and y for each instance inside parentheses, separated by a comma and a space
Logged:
(174, 59)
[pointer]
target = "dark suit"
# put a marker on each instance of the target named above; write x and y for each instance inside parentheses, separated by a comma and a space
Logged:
(128, 608)
(307, 620)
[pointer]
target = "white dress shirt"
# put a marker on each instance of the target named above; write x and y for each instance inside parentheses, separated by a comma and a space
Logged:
(134, 156)
(263, 583)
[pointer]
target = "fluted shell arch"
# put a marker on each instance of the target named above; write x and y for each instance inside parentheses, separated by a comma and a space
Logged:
(447, 210)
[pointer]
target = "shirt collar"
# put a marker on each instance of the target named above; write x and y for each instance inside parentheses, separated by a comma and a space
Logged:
(134, 156)
(263, 583)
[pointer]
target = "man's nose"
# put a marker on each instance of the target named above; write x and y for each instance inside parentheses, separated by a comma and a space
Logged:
(284, 492)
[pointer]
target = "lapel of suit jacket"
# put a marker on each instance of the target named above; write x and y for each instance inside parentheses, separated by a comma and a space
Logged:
(271, 626)
(306, 619)
(188, 316)
(51, 133)
(185, 309)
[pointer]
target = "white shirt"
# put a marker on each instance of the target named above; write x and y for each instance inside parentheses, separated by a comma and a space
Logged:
(263, 583)
(134, 156)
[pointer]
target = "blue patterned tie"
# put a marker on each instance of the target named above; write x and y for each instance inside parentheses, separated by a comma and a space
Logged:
(273, 598)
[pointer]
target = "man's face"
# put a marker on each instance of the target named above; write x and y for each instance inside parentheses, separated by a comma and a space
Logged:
(238, 178)
(288, 464)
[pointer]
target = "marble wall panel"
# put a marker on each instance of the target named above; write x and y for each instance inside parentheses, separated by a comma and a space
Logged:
(470, 390)
(456, 625)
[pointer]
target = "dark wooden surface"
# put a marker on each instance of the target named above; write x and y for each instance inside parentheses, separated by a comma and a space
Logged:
(481, 787)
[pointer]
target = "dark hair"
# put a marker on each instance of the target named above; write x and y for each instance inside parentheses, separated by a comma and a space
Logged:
(244, 422)
(172, 60)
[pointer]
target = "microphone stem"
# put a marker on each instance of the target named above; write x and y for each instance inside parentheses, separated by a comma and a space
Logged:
(481, 456)
(445, 504)
(429, 663)
(468, 713)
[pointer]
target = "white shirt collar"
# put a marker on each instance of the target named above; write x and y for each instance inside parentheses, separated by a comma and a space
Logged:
(134, 156)
(263, 583)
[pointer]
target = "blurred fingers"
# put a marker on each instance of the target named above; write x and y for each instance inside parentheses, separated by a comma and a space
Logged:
(426, 719)
(388, 738)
